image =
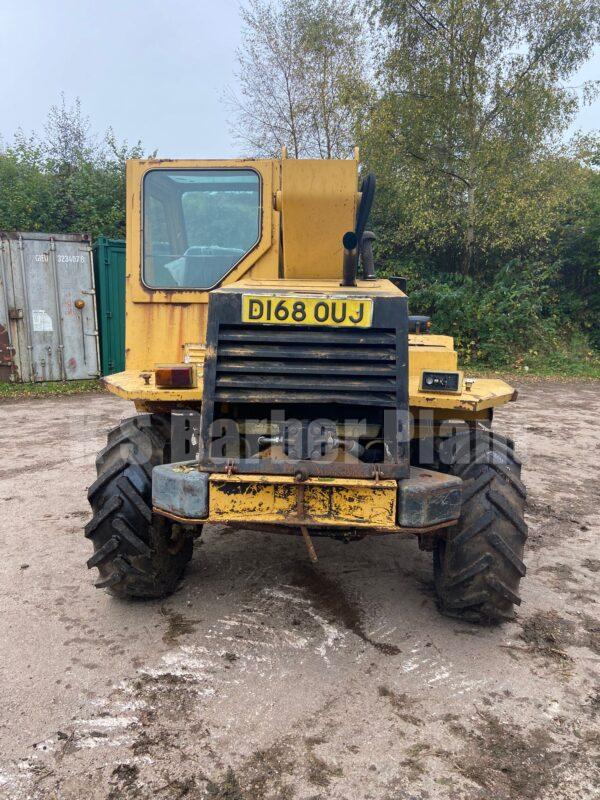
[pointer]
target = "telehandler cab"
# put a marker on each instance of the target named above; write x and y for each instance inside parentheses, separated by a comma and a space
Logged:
(277, 391)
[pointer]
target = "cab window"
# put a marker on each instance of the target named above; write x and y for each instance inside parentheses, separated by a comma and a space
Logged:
(198, 224)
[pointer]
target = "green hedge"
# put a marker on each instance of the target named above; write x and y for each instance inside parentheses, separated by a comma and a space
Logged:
(521, 316)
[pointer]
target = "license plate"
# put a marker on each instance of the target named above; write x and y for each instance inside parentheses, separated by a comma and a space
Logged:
(355, 312)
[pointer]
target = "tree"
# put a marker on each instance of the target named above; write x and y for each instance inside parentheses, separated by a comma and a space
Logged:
(66, 180)
(68, 141)
(577, 242)
(301, 75)
(468, 128)
(26, 198)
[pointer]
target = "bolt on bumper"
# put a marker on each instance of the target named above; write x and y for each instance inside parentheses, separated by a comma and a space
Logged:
(425, 501)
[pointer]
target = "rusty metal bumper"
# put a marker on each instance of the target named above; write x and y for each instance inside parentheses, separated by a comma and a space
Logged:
(425, 501)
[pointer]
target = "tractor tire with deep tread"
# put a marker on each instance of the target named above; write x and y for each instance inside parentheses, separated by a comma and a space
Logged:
(478, 565)
(137, 553)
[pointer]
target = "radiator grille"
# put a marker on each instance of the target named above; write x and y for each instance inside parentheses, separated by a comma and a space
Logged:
(282, 364)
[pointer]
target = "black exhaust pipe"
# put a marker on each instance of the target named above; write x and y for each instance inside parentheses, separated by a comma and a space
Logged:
(350, 242)
(366, 255)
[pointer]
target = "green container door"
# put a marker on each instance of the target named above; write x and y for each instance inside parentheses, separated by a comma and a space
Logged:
(109, 272)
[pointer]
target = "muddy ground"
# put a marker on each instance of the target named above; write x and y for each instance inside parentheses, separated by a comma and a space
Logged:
(264, 677)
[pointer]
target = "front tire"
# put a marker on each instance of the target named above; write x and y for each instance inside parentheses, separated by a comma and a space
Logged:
(137, 553)
(478, 566)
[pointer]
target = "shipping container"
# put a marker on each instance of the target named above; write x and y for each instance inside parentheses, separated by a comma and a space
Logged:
(48, 328)
(109, 271)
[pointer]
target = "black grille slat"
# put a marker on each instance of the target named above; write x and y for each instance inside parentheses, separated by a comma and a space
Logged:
(254, 381)
(308, 367)
(280, 396)
(327, 337)
(258, 364)
(297, 350)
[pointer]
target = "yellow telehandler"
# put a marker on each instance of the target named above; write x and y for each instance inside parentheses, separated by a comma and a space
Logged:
(278, 390)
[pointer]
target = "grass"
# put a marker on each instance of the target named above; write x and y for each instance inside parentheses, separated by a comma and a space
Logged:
(555, 368)
(573, 361)
(536, 372)
(19, 391)
(564, 365)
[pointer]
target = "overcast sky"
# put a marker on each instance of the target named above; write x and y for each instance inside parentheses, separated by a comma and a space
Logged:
(154, 70)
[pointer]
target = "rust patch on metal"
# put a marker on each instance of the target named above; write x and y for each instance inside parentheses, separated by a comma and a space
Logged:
(7, 365)
(300, 508)
(177, 518)
(309, 545)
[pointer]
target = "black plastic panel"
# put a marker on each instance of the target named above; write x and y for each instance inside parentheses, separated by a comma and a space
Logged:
(440, 381)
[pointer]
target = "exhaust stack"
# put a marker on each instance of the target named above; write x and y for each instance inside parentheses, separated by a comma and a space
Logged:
(350, 242)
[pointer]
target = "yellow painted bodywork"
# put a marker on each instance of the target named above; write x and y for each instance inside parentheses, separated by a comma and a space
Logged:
(318, 202)
(430, 351)
(131, 386)
(158, 324)
(434, 352)
(485, 393)
(317, 199)
(334, 502)
(306, 206)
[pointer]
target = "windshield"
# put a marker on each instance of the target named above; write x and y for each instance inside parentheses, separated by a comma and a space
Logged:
(198, 224)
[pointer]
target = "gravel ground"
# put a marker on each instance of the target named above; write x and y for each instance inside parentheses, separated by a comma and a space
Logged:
(264, 677)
